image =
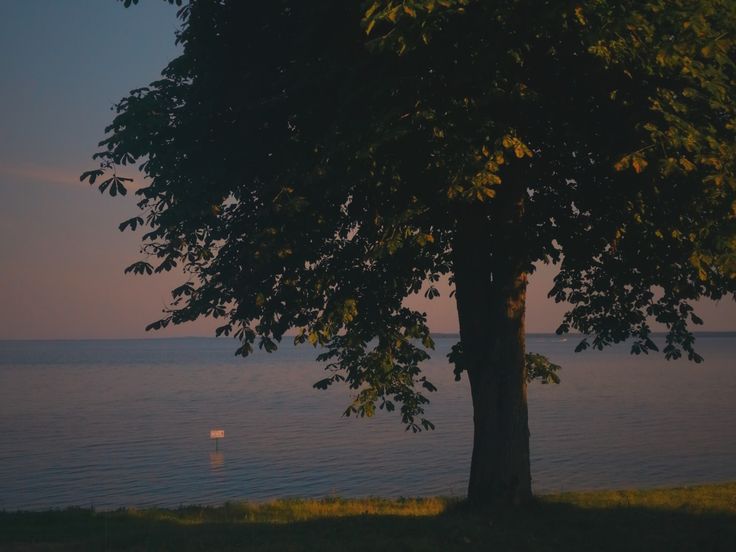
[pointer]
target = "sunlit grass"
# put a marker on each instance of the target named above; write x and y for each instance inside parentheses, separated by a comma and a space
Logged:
(697, 499)
(295, 510)
(687, 518)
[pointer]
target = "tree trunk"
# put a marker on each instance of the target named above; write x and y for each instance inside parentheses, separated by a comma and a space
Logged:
(490, 291)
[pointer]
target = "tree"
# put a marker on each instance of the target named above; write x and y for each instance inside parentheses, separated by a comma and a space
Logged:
(310, 165)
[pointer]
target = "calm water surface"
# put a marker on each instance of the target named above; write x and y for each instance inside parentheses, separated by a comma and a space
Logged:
(113, 423)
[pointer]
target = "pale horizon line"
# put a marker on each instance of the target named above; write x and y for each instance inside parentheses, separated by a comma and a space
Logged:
(703, 333)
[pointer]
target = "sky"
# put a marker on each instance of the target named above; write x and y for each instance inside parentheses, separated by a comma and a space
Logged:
(63, 65)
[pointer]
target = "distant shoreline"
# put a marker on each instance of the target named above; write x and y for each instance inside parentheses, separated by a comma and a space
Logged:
(438, 335)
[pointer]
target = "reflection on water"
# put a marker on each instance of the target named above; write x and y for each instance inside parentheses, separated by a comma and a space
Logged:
(217, 460)
(111, 423)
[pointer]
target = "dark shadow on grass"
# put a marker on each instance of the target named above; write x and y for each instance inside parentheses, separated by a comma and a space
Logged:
(541, 526)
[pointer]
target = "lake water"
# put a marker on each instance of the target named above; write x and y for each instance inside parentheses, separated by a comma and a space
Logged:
(126, 422)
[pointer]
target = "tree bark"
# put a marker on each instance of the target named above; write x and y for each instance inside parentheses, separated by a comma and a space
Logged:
(490, 291)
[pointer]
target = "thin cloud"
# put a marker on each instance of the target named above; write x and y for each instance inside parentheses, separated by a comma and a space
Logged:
(56, 175)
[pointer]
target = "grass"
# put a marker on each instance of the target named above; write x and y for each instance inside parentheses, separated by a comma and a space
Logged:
(699, 518)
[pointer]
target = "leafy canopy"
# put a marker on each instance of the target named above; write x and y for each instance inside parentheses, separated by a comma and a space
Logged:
(306, 164)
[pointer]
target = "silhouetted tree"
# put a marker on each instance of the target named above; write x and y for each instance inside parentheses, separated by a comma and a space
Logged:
(311, 164)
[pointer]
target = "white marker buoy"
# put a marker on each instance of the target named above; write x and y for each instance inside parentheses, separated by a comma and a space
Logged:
(217, 434)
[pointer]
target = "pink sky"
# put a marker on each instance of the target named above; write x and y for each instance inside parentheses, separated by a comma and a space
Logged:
(63, 259)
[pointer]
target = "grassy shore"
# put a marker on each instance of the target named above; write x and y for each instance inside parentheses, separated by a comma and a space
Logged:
(693, 518)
